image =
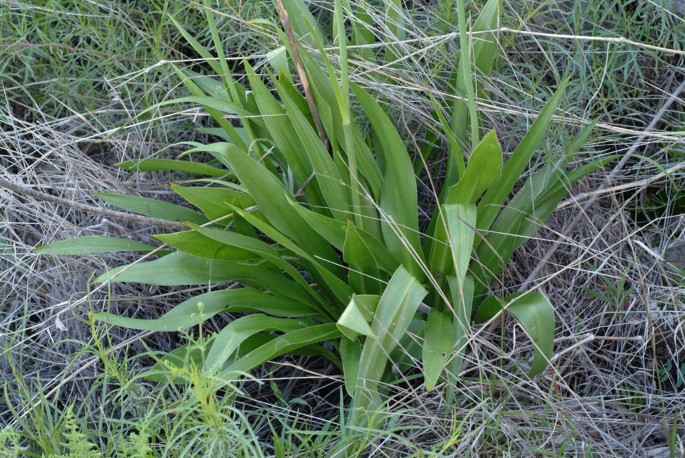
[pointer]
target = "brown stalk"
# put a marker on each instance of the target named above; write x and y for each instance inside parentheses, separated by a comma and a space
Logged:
(116, 215)
(285, 21)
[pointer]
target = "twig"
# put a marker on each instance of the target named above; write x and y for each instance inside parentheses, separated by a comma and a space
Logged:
(622, 187)
(41, 196)
(617, 40)
(285, 20)
(605, 184)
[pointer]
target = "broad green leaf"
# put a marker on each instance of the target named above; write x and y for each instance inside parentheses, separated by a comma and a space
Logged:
(331, 117)
(366, 163)
(278, 59)
(304, 24)
(461, 222)
(437, 345)
(186, 314)
(330, 280)
(326, 174)
(398, 193)
(483, 170)
(485, 46)
(526, 212)
(180, 359)
(363, 275)
(453, 245)
(180, 268)
(357, 317)
(217, 150)
(193, 242)
(282, 344)
(495, 196)
(212, 200)
(395, 311)
(214, 102)
(152, 208)
(150, 165)
(271, 197)
(229, 339)
(190, 312)
(334, 233)
(266, 252)
(535, 314)
(222, 134)
(93, 244)
(462, 305)
(410, 349)
(350, 354)
(289, 147)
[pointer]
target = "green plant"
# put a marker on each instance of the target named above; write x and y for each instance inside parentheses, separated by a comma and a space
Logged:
(76, 444)
(9, 443)
(315, 216)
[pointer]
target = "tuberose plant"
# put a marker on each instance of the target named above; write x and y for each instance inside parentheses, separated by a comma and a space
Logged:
(308, 219)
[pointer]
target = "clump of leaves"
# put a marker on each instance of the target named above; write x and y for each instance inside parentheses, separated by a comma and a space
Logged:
(315, 217)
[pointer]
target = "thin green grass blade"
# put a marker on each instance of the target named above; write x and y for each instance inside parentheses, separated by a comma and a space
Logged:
(189, 81)
(455, 157)
(362, 31)
(395, 22)
(201, 50)
(480, 56)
